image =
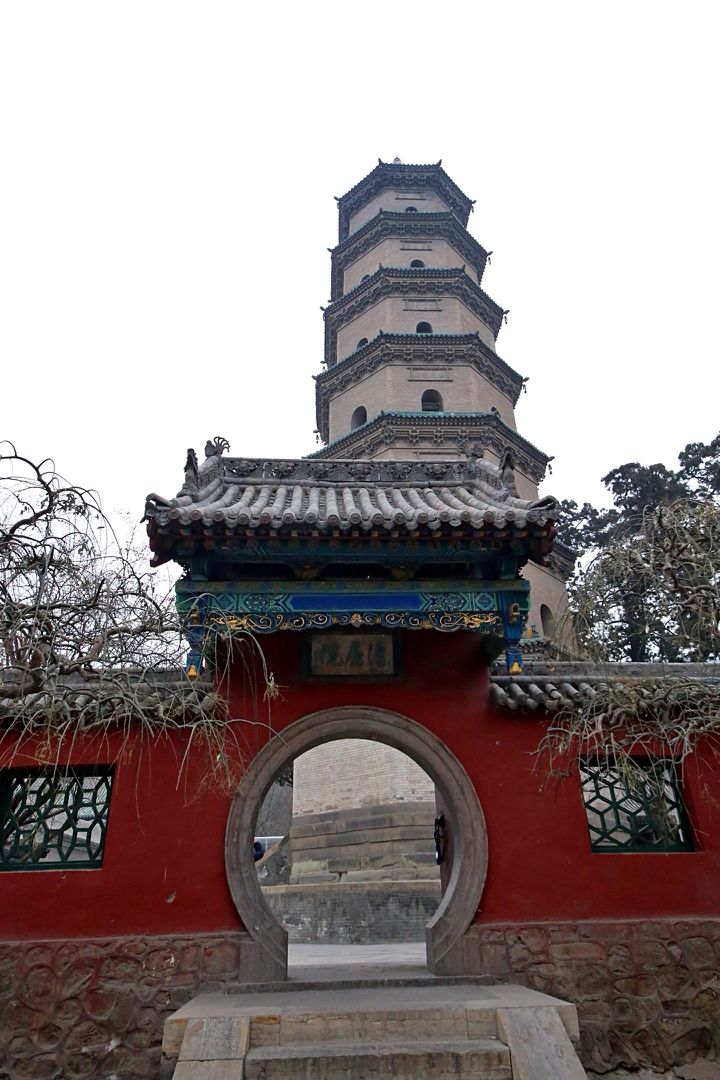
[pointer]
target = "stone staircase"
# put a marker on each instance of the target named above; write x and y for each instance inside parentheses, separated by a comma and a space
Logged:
(418, 1032)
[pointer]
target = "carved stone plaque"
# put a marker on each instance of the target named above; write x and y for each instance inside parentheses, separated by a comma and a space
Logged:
(359, 655)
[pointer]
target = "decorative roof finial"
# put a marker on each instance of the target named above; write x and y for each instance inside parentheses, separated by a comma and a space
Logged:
(397, 161)
(215, 447)
(507, 471)
(191, 473)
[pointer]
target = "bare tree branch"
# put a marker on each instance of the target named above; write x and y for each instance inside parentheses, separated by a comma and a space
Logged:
(90, 637)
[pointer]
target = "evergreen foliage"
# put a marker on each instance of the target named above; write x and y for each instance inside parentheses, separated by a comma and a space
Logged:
(651, 589)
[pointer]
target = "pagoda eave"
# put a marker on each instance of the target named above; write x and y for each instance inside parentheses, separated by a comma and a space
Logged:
(401, 281)
(389, 224)
(402, 177)
(469, 430)
(387, 349)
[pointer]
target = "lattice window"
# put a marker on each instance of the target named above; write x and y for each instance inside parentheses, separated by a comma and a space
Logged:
(53, 819)
(634, 807)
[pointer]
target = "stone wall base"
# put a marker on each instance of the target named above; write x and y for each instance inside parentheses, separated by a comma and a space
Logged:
(647, 992)
(96, 1008)
(357, 913)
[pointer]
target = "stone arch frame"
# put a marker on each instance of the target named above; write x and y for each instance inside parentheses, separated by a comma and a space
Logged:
(445, 931)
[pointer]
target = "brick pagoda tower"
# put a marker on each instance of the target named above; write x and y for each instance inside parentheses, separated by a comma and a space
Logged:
(411, 368)
(411, 373)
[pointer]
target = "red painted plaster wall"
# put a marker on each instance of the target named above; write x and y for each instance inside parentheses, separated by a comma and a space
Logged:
(164, 865)
(540, 863)
(163, 870)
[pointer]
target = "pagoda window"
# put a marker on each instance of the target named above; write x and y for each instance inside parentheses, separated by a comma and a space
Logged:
(634, 806)
(361, 342)
(432, 401)
(423, 328)
(417, 264)
(365, 277)
(547, 620)
(54, 819)
(358, 418)
(411, 209)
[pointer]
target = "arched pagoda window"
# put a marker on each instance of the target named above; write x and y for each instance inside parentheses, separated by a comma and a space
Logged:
(358, 418)
(432, 401)
(417, 264)
(423, 328)
(547, 619)
(361, 342)
(411, 209)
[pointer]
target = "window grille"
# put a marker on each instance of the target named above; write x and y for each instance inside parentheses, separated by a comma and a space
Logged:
(634, 807)
(53, 819)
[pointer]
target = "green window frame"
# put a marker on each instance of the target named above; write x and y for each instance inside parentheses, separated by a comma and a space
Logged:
(634, 806)
(54, 818)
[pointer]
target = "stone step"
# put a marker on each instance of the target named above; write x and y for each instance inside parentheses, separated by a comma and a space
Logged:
(371, 1014)
(439, 1059)
(539, 1045)
(381, 1025)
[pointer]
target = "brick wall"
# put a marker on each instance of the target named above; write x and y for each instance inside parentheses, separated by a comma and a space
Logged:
(462, 388)
(328, 777)
(397, 251)
(380, 843)
(425, 201)
(400, 315)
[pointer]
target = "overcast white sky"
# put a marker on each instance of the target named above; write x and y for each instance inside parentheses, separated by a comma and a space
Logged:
(166, 202)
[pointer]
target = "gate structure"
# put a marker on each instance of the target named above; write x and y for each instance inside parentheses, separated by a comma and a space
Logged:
(466, 875)
(419, 519)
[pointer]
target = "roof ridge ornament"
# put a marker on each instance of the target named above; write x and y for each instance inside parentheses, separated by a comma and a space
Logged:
(507, 471)
(191, 473)
(216, 447)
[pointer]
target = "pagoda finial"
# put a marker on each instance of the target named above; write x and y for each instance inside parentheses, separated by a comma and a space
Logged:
(397, 161)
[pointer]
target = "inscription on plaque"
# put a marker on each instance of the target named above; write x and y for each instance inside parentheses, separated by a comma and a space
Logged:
(352, 654)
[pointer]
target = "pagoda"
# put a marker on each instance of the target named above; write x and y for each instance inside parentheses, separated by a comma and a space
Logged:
(422, 510)
(411, 369)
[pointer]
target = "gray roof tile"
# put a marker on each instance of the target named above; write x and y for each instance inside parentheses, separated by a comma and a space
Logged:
(326, 495)
(552, 685)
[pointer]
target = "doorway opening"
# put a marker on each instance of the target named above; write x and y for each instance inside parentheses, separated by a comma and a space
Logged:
(465, 837)
(352, 845)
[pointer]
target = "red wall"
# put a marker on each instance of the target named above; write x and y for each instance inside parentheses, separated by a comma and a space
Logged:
(163, 844)
(163, 870)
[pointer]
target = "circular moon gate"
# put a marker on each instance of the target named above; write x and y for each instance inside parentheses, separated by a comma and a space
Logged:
(462, 808)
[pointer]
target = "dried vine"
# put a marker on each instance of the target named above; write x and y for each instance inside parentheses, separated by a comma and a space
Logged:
(621, 720)
(91, 642)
